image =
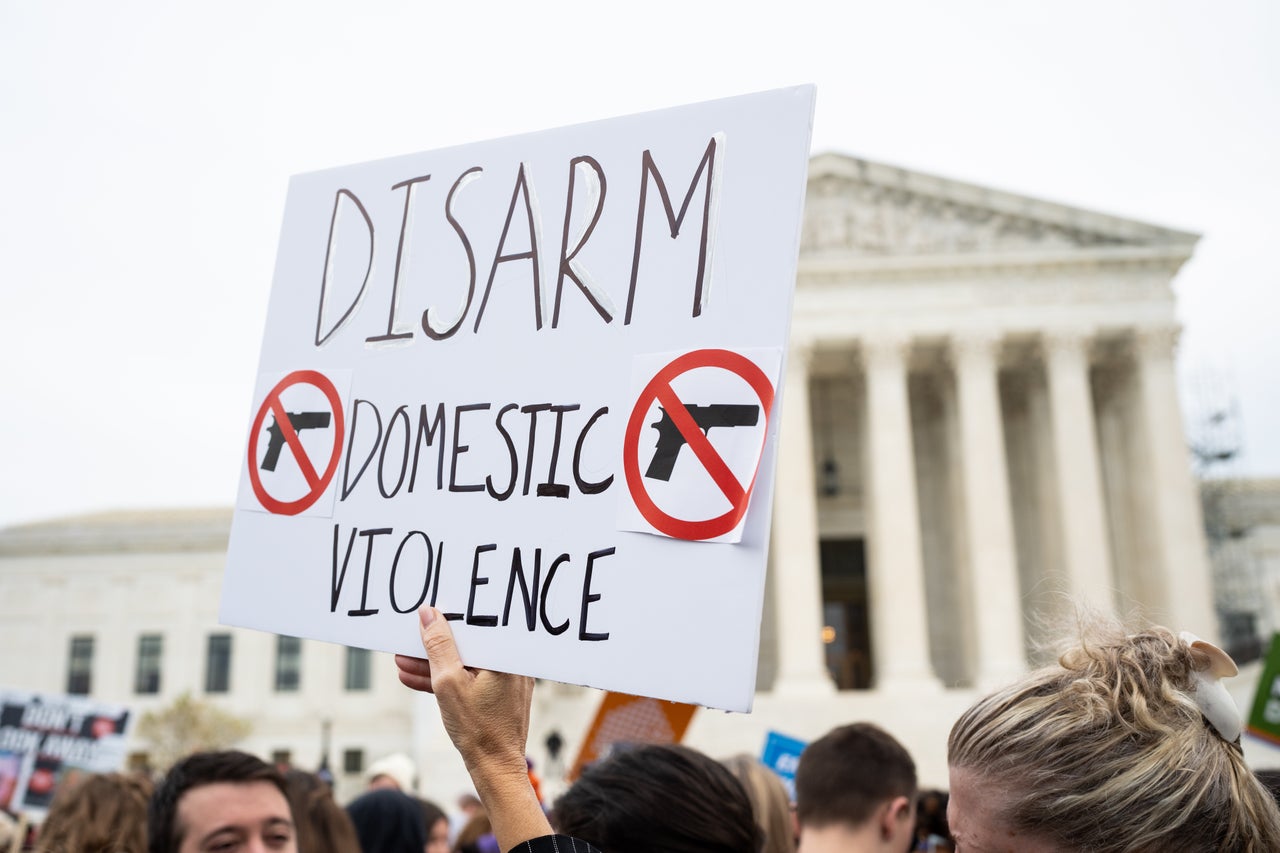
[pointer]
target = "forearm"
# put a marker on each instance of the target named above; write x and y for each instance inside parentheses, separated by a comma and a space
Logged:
(509, 800)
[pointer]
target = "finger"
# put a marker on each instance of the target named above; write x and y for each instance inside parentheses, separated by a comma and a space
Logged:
(414, 673)
(417, 666)
(416, 682)
(437, 641)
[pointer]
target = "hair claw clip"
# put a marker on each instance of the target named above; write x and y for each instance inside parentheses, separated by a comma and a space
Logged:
(1210, 693)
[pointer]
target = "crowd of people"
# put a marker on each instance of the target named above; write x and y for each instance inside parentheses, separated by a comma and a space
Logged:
(1128, 743)
(225, 801)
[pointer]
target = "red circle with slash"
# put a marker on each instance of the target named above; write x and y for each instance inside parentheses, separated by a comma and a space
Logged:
(316, 481)
(659, 390)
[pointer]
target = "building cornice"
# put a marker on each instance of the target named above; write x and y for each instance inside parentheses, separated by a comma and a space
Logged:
(833, 266)
(843, 166)
(156, 531)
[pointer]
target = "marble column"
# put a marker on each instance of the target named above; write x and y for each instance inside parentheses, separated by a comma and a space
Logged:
(899, 627)
(1171, 492)
(993, 566)
(1081, 501)
(798, 585)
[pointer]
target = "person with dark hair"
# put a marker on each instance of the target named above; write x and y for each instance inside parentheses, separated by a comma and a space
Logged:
(1270, 779)
(224, 800)
(932, 833)
(855, 791)
(437, 823)
(388, 821)
(660, 797)
(321, 824)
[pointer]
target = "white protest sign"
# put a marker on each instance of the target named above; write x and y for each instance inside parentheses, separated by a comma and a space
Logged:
(533, 382)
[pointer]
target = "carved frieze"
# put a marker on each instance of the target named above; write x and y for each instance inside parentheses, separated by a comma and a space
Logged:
(847, 215)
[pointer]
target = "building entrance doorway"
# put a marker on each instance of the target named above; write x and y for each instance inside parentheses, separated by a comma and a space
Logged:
(846, 630)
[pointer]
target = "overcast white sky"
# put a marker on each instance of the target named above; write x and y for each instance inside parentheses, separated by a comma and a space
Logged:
(145, 149)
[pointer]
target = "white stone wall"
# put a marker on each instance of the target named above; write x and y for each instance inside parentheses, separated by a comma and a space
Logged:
(113, 579)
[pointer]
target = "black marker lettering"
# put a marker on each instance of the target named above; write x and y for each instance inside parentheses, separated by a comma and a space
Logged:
(452, 617)
(588, 597)
(336, 581)
(552, 489)
(401, 413)
(364, 609)
(568, 268)
(477, 582)
(426, 579)
(348, 485)
(392, 335)
(459, 449)
(435, 582)
(330, 260)
(515, 461)
(546, 593)
(583, 486)
(530, 598)
(429, 435)
(427, 326)
(647, 168)
(521, 189)
(532, 410)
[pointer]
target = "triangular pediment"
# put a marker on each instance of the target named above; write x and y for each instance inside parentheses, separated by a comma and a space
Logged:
(861, 207)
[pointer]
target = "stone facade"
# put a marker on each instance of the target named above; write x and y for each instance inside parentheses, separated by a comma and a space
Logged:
(980, 429)
(118, 577)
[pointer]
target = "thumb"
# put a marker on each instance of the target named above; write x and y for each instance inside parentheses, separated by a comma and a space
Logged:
(437, 641)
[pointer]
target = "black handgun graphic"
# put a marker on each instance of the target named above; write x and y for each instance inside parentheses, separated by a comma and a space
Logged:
(670, 440)
(299, 421)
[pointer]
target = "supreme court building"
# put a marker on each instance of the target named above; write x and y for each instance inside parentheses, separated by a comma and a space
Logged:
(980, 429)
(981, 416)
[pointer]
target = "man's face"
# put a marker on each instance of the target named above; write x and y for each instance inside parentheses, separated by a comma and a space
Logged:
(235, 817)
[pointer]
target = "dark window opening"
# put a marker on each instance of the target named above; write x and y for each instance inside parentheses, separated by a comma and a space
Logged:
(217, 665)
(150, 653)
(846, 630)
(80, 666)
(288, 664)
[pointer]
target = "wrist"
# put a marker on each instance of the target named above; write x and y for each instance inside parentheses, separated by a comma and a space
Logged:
(509, 799)
(497, 760)
(499, 772)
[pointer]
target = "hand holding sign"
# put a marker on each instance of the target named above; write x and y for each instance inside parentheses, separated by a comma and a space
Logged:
(486, 715)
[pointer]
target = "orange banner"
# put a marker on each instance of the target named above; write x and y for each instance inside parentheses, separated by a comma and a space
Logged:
(624, 719)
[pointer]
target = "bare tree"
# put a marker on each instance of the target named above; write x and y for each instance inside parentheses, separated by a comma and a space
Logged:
(189, 725)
